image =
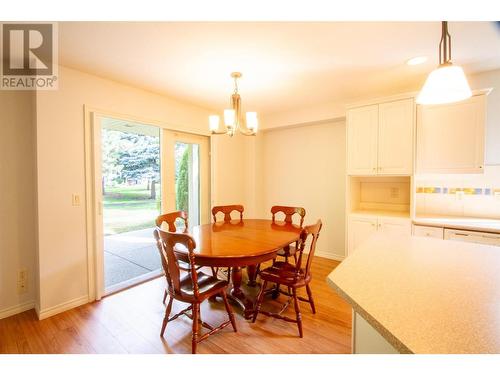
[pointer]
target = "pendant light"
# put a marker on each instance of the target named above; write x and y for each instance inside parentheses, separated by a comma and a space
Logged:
(447, 83)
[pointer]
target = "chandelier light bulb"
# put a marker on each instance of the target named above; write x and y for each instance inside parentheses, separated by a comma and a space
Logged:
(252, 121)
(213, 122)
(229, 118)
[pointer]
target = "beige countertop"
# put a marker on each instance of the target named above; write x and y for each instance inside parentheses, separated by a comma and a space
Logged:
(459, 222)
(425, 295)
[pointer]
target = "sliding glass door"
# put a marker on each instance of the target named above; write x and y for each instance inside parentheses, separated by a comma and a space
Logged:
(142, 171)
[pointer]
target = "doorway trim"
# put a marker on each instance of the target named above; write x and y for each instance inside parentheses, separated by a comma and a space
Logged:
(95, 286)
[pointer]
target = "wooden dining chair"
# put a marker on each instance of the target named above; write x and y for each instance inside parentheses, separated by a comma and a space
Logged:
(227, 210)
(293, 277)
(192, 288)
(171, 218)
(289, 212)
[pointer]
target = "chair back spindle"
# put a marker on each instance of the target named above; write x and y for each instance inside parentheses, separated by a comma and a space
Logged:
(227, 210)
(171, 218)
(289, 212)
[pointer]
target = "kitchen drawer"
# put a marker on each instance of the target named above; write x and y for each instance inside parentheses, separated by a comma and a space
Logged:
(424, 231)
(470, 236)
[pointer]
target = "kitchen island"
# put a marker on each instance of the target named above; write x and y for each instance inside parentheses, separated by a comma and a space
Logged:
(422, 295)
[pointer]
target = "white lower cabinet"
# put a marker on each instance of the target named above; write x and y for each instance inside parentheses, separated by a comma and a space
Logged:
(391, 225)
(425, 231)
(470, 236)
(360, 228)
(484, 238)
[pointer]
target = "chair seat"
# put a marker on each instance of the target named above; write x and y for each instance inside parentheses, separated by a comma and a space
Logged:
(207, 285)
(284, 273)
(287, 251)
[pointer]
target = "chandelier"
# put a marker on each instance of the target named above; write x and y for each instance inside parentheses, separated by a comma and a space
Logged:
(233, 119)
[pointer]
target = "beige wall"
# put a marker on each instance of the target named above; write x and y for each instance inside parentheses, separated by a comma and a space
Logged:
(60, 173)
(232, 165)
(17, 199)
(305, 166)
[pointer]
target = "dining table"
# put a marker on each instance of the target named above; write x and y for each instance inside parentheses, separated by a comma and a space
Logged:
(239, 244)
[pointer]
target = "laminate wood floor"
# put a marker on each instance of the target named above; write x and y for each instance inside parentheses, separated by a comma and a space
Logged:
(130, 322)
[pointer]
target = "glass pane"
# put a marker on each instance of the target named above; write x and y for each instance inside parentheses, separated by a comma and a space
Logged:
(131, 195)
(187, 180)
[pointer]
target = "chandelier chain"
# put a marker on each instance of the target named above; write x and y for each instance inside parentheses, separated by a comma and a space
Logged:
(235, 85)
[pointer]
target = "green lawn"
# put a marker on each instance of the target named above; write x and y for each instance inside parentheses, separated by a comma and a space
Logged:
(128, 208)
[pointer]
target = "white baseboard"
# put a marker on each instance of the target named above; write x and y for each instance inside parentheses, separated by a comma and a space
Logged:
(17, 309)
(45, 313)
(340, 258)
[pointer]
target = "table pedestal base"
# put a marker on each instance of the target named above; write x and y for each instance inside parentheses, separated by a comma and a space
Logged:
(236, 294)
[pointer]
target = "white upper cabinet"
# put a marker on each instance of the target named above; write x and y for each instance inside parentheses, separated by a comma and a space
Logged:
(450, 137)
(362, 133)
(395, 137)
(380, 139)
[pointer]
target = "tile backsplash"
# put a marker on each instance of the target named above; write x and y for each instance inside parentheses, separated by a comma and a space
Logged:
(476, 195)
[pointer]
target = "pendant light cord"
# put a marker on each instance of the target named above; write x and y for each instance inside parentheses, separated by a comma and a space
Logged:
(445, 45)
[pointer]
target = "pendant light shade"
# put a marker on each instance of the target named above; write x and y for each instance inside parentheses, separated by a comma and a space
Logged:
(447, 83)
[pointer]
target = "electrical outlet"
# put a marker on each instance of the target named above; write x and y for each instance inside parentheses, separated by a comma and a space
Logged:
(75, 200)
(459, 194)
(22, 281)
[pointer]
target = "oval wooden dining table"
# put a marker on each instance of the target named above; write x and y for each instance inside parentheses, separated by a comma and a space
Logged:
(238, 244)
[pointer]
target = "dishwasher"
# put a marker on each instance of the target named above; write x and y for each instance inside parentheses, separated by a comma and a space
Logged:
(471, 236)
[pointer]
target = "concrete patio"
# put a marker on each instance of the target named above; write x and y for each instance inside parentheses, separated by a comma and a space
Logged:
(129, 255)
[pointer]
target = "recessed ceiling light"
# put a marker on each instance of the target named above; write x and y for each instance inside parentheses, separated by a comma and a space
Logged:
(417, 60)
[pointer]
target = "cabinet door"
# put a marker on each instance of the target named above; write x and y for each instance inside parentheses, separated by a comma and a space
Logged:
(395, 137)
(360, 228)
(362, 125)
(393, 225)
(450, 137)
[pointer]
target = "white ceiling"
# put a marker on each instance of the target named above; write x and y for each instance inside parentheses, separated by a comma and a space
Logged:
(284, 65)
